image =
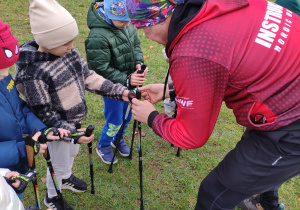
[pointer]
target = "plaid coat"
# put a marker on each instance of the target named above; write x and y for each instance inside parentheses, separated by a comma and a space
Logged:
(54, 87)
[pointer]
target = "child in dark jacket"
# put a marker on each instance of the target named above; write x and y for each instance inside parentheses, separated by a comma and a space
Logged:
(16, 118)
(113, 50)
(53, 77)
(292, 5)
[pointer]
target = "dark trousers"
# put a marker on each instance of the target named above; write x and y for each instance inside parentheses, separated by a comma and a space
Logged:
(259, 164)
(213, 195)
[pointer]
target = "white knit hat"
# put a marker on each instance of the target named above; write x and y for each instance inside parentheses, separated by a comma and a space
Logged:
(51, 24)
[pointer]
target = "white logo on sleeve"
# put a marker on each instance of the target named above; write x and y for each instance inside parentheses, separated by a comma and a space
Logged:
(185, 103)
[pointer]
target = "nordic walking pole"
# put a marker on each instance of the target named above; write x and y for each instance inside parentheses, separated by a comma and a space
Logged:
(138, 96)
(143, 68)
(29, 142)
(89, 131)
(123, 126)
(132, 139)
(42, 139)
(119, 138)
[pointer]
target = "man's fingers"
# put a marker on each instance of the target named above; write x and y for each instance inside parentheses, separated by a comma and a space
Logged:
(136, 102)
(144, 88)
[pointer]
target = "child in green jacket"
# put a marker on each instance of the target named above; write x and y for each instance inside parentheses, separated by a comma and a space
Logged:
(113, 51)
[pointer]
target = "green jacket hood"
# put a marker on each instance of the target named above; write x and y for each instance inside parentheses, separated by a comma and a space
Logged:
(94, 20)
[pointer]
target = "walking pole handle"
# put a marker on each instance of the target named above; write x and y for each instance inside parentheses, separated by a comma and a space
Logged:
(89, 130)
(142, 69)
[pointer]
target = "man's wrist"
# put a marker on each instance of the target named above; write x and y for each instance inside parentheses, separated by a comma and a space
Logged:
(151, 117)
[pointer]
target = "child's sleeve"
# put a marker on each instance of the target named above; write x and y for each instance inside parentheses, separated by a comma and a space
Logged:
(101, 86)
(98, 57)
(32, 121)
(3, 171)
(9, 153)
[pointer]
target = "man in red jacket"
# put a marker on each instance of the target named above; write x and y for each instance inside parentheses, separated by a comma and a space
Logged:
(245, 53)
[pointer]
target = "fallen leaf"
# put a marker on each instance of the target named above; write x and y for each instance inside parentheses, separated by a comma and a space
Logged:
(43, 179)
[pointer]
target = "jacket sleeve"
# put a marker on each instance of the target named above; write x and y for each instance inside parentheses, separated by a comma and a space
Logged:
(9, 153)
(39, 100)
(200, 86)
(98, 58)
(97, 84)
(32, 121)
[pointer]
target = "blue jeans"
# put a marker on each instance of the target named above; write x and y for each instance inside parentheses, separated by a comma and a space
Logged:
(114, 113)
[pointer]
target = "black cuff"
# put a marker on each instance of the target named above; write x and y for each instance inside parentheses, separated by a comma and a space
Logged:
(151, 117)
(128, 83)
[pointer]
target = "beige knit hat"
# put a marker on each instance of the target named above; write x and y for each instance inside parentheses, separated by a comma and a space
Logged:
(51, 24)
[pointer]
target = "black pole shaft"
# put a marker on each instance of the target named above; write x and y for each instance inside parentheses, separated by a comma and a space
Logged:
(118, 142)
(36, 193)
(178, 152)
(91, 168)
(143, 68)
(42, 139)
(89, 132)
(132, 139)
(29, 142)
(141, 165)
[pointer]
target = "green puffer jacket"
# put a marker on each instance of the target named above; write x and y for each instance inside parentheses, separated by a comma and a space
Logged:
(111, 52)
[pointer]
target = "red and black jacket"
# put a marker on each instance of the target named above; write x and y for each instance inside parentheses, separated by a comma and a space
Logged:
(243, 52)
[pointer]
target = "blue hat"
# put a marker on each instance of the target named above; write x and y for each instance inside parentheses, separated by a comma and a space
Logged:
(116, 10)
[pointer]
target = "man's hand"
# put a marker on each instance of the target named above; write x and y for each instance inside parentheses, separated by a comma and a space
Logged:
(141, 110)
(154, 92)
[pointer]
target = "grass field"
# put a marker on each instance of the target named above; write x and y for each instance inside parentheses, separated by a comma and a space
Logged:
(170, 182)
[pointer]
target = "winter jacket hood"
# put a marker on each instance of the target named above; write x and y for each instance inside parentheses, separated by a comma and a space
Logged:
(32, 55)
(194, 12)
(94, 20)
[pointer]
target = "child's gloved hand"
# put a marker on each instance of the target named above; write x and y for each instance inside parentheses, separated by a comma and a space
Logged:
(85, 139)
(37, 146)
(10, 174)
(18, 181)
(80, 137)
(53, 133)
